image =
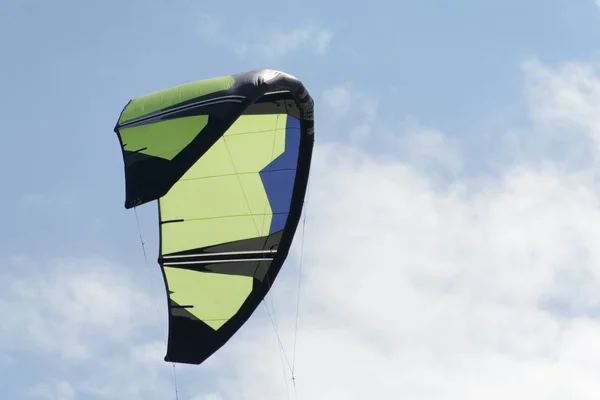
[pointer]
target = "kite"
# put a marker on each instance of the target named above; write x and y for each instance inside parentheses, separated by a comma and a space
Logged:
(227, 160)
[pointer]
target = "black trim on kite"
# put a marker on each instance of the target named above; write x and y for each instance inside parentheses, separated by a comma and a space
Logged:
(130, 153)
(190, 340)
(170, 221)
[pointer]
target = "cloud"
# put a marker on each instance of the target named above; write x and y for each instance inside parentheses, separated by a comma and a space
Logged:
(32, 199)
(565, 104)
(40, 201)
(60, 309)
(270, 44)
(211, 396)
(350, 106)
(482, 288)
(281, 43)
(356, 112)
(424, 147)
(487, 288)
(567, 96)
(92, 327)
(61, 390)
(209, 28)
(341, 100)
(416, 291)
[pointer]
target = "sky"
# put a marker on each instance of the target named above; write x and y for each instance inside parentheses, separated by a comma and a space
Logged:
(450, 247)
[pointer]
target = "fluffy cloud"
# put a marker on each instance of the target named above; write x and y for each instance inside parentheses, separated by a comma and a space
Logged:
(278, 44)
(61, 390)
(89, 324)
(423, 147)
(482, 288)
(486, 288)
(355, 112)
(271, 44)
(60, 309)
(352, 108)
(565, 106)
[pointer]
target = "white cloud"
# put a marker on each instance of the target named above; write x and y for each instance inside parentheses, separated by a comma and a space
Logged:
(423, 147)
(60, 390)
(100, 324)
(40, 200)
(565, 105)
(60, 308)
(32, 199)
(209, 28)
(347, 104)
(211, 396)
(488, 288)
(482, 289)
(340, 100)
(345, 99)
(270, 44)
(279, 44)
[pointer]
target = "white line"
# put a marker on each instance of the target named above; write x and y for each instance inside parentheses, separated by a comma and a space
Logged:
(218, 261)
(277, 91)
(220, 254)
(216, 100)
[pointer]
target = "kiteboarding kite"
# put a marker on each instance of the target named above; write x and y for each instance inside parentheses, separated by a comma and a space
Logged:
(228, 160)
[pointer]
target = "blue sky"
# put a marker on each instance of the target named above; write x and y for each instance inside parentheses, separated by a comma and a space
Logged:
(456, 147)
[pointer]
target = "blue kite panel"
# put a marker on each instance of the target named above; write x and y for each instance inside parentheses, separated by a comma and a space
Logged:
(278, 177)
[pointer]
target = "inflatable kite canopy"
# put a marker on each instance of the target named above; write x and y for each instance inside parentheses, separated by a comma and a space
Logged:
(228, 160)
